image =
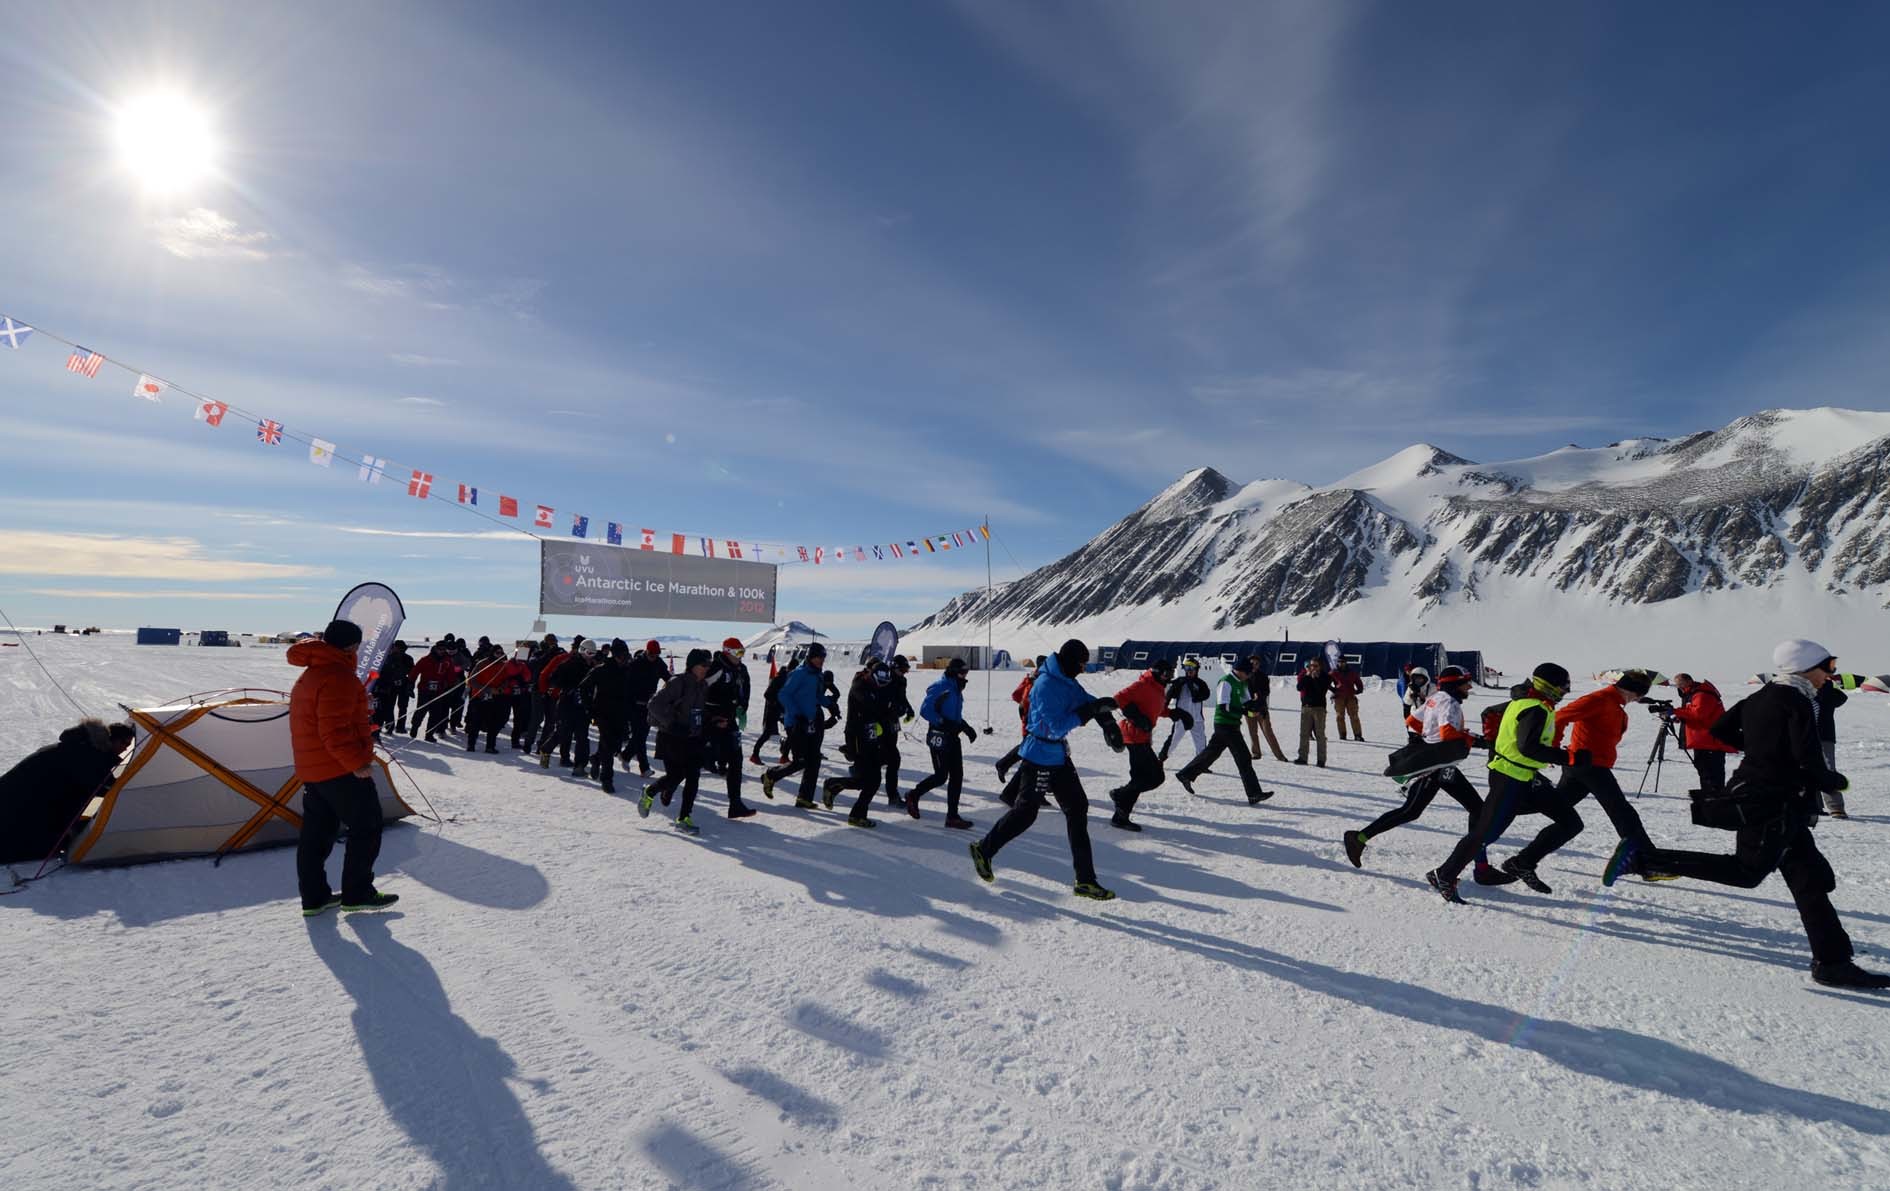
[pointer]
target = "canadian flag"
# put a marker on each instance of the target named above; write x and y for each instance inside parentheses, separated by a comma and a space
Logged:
(819, 553)
(734, 549)
(211, 412)
(420, 484)
(649, 539)
(543, 519)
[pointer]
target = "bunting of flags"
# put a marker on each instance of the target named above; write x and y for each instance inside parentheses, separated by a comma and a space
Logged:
(85, 362)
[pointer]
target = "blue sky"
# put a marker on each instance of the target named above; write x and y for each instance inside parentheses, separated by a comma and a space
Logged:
(848, 273)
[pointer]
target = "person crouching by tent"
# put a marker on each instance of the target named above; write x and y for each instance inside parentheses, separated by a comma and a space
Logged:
(332, 737)
(677, 715)
(1700, 708)
(44, 795)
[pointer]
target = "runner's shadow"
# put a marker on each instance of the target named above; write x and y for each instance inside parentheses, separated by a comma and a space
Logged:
(1620, 1056)
(440, 1080)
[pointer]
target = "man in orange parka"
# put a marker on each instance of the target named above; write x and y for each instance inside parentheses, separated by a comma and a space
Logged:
(1594, 725)
(1700, 708)
(332, 734)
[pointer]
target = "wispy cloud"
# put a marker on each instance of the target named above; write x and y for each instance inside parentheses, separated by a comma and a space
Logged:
(416, 360)
(35, 552)
(466, 604)
(495, 535)
(98, 593)
(425, 402)
(204, 234)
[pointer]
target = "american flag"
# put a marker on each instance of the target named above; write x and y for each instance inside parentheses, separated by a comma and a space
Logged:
(269, 431)
(84, 359)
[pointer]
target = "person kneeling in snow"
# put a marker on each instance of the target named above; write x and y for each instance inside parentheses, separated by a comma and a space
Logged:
(44, 795)
(1058, 706)
(332, 736)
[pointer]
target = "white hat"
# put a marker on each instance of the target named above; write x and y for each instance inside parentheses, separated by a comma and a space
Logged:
(1798, 655)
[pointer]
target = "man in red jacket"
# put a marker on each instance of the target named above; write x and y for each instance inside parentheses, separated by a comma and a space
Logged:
(1346, 687)
(331, 732)
(435, 679)
(1144, 703)
(1700, 708)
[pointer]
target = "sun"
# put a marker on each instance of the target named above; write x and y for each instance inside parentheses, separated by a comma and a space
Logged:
(166, 141)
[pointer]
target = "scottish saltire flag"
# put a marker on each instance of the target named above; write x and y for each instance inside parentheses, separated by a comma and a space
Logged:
(468, 495)
(269, 432)
(613, 533)
(85, 360)
(13, 334)
(321, 453)
(580, 525)
(879, 553)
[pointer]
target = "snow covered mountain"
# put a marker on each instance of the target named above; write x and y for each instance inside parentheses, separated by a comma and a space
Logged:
(791, 632)
(1778, 524)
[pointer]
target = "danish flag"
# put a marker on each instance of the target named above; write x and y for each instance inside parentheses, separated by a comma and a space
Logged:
(420, 484)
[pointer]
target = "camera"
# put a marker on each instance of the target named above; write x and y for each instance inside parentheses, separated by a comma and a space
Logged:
(1660, 707)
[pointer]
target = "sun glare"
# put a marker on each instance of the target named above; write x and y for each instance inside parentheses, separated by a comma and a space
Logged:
(166, 142)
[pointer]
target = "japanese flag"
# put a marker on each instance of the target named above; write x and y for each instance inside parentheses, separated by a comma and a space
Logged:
(149, 387)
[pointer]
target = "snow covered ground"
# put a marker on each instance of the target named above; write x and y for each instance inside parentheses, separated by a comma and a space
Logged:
(573, 996)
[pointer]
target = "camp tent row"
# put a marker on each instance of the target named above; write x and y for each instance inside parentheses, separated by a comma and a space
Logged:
(1372, 659)
(210, 775)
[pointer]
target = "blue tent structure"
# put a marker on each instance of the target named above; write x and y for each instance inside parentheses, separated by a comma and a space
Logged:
(1472, 662)
(1372, 659)
(150, 636)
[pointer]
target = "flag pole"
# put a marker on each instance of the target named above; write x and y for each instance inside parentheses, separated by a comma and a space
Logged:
(990, 658)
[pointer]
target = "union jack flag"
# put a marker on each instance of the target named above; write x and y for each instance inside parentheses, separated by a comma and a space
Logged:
(84, 359)
(269, 431)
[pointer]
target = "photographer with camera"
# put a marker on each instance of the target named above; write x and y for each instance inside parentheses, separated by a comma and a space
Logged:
(1771, 804)
(1700, 708)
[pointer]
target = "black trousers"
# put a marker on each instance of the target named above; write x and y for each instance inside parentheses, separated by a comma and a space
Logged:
(770, 725)
(456, 705)
(638, 743)
(804, 750)
(522, 720)
(385, 694)
(1509, 798)
(485, 717)
(866, 776)
(726, 744)
(402, 699)
(1581, 780)
(546, 727)
(437, 713)
(573, 739)
(1226, 739)
(682, 770)
(1011, 758)
(1784, 846)
(948, 770)
(327, 807)
(1041, 783)
(1711, 766)
(891, 759)
(611, 731)
(1418, 793)
(1145, 774)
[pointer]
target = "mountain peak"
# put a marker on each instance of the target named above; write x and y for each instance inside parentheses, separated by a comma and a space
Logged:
(1196, 489)
(1416, 460)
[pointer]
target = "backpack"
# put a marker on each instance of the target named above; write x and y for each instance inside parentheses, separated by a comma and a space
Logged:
(1493, 722)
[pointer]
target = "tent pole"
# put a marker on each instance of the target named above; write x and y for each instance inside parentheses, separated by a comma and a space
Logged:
(989, 658)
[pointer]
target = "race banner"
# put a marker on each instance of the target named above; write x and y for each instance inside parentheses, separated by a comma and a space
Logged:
(586, 579)
(379, 614)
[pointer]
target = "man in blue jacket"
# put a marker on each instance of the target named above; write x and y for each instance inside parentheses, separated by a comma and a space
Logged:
(1058, 706)
(943, 710)
(802, 700)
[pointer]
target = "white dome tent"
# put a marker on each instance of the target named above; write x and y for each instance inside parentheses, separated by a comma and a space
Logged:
(213, 774)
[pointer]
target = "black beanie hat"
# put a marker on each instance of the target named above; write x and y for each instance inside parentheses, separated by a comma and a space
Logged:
(698, 657)
(342, 634)
(1072, 656)
(1637, 682)
(1554, 675)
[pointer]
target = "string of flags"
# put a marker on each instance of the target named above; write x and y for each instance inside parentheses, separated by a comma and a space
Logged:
(491, 504)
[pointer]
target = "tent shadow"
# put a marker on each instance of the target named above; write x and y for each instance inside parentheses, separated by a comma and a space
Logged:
(146, 894)
(440, 1080)
(1623, 1057)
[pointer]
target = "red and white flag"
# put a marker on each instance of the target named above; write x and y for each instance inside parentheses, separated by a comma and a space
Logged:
(508, 505)
(468, 495)
(734, 549)
(211, 412)
(649, 540)
(803, 551)
(819, 553)
(897, 552)
(543, 519)
(839, 553)
(84, 360)
(708, 547)
(149, 387)
(420, 484)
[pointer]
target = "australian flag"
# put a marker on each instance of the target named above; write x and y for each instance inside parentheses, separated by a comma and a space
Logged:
(613, 533)
(580, 525)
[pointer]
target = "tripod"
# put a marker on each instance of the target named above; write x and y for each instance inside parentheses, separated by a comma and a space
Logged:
(1657, 756)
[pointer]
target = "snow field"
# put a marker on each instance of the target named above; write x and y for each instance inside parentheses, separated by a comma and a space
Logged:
(573, 996)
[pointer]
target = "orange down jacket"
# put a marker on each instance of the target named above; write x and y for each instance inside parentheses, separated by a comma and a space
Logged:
(329, 725)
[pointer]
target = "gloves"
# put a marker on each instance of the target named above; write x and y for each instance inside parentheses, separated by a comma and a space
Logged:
(1096, 709)
(1134, 716)
(1163, 755)
(970, 732)
(1186, 720)
(833, 718)
(1584, 757)
(1111, 732)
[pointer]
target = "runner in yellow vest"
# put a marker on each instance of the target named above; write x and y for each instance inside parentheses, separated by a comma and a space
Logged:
(1525, 745)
